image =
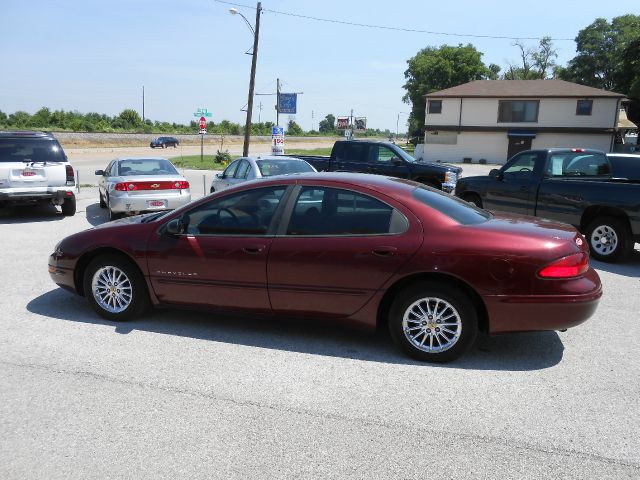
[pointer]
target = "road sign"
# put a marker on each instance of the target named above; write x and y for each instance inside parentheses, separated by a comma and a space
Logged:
(202, 123)
(288, 102)
(202, 112)
(277, 140)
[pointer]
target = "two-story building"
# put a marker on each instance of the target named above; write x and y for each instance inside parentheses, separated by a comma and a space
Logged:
(495, 119)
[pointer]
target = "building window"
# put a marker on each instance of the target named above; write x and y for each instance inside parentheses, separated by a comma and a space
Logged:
(512, 111)
(435, 106)
(584, 107)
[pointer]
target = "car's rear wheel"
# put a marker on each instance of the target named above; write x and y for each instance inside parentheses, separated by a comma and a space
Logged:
(433, 323)
(115, 288)
(103, 204)
(610, 239)
(164, 145)
(69, 206)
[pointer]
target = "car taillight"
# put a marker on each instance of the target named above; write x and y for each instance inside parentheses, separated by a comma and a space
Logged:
(565, 267)
(125, 187)
(181, 185)
(71, 179)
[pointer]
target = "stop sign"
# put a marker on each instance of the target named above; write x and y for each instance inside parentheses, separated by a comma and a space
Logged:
(202, 123)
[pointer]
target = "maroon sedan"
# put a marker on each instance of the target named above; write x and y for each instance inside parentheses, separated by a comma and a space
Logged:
(360, 249)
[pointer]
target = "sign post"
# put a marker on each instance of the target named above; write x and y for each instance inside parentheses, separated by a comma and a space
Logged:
(277, 140)
(203, 129)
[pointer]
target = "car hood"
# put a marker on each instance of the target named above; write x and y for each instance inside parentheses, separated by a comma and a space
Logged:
(443, 166)
(133, 220)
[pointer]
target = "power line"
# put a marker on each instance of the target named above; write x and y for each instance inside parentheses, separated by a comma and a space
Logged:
(386, 27)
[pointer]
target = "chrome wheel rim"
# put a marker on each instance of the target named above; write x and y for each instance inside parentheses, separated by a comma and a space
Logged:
(604, 240)
(112, 289)
(432, 325)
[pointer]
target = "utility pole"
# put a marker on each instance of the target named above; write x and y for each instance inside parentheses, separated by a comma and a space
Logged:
(142, 103)
(260, 113)
(252, 81)
(311, 119)
(277, 102)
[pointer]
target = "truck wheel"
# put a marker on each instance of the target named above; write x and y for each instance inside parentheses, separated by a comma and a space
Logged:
(433, 322)
(474, 199)
(609, 238)
(69, 206)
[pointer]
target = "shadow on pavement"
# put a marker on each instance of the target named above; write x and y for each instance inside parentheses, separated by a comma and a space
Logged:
(96, 215)
(40, 212)
(518, 352)
(630, 267)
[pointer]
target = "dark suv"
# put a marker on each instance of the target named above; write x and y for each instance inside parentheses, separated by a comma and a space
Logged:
(164, 142)
(34, 169)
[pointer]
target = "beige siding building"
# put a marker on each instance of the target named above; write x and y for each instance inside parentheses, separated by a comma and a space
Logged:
(495, 119)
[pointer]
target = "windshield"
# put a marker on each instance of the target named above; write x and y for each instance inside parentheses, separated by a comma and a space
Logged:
(146, 167)
(454, 208)
(268, 168)
(29, 150)
(402, 154)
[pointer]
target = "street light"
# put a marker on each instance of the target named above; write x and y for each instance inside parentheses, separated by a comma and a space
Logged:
(252, 80)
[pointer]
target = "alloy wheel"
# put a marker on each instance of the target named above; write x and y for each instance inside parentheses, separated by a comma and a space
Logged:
(112, 289)
(432, 325)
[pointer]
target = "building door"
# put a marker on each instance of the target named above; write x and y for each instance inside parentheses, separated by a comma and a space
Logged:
(517, 145)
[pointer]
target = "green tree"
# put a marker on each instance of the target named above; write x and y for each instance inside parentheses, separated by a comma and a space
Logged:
(537, 63)
(328, 125)
(3, 118)
(433, 69)
(601, 49)
(130, 118)
(294, 129)
(19, 119)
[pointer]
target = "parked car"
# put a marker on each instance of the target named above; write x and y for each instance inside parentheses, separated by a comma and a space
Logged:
(364, 250)
(573, 185)
(384, 158)
(35, 170)
(135, 185)
(164, 142)
(251, 168)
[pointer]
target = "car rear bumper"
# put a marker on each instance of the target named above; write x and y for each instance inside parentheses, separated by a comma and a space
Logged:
(139, 203)
(20, 196)
(525, 313)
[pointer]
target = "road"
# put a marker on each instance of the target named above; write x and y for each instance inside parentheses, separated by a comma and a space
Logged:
(199, 395)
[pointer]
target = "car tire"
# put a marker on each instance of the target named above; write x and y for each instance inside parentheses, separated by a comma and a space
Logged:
(164, 145)
(473, 199)
(115, 288)
(69, 206)
(212, 190)
(103, 204)
(432, 322)
(610, 239)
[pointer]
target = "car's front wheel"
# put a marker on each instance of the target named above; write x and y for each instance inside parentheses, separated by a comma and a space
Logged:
(115, 288)
(433, 323)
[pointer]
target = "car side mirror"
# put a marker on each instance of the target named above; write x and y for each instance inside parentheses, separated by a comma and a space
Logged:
(175, 227)
(220, 176)
(495, 174)
(100, 172)
(396, 161)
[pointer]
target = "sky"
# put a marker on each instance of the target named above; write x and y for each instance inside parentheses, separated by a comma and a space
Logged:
(96, 56)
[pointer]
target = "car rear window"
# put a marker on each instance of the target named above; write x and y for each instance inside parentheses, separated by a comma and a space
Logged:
(458, 210)
(268, 168)
(146, 167)
(578, 164)
(30, 150)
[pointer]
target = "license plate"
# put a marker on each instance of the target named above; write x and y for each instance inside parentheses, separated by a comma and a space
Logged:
(28, 173)
(155, 204)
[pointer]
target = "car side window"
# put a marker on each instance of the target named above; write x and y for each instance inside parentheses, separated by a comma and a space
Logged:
(231, 169)
(244, 213)
(107, 171)
(522, 165)
(351, 152)
(331, 211)
(380, 154)
(242, 170)
(578, 165)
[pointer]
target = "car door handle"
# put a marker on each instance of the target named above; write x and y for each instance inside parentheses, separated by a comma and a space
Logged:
(254, 249)
(524, 189)
(384, 251)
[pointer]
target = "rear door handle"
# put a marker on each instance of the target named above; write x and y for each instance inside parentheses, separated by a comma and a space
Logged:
(254, 249)
(384, 251)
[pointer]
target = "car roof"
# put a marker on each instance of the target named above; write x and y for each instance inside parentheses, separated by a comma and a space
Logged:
(272, 157)
(26, 134)
(120, 159)
(628, 155)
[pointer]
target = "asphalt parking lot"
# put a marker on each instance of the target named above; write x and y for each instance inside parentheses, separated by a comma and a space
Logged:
(194, 395)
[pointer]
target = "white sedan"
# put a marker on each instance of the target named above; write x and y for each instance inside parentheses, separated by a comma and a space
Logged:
(135, 185)
(244, 169)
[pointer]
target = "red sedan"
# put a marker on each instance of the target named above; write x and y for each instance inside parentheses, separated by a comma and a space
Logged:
(361, 249)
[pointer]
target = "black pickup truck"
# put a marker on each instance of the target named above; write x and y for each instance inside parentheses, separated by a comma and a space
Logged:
(596, 193)
(384, 158)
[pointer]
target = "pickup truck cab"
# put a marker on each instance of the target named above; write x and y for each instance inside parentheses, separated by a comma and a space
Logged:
(34, 169)
(576, 186)
(384, 158)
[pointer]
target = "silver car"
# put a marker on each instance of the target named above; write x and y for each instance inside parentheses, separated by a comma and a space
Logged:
(244, 169)
(135, 185)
